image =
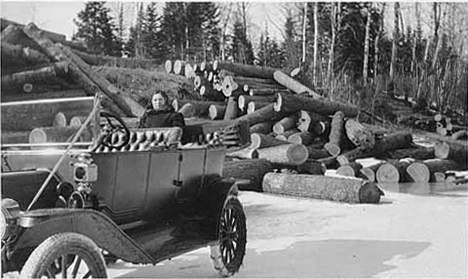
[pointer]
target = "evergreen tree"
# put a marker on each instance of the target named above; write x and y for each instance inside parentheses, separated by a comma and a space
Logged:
(291, 45)
(96, 28)
(242, 51)
(150, 35)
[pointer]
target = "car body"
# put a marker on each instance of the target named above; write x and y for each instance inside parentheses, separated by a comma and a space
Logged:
(143, 201)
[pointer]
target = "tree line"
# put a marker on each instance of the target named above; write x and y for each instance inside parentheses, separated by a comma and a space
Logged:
(339, 46)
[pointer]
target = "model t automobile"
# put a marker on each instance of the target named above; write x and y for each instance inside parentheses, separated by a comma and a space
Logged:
(72, 200)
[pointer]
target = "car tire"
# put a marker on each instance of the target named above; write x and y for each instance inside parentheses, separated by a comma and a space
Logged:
(228, 254)
(49, 257)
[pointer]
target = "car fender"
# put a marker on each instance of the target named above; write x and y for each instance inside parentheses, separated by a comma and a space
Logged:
(41, 224)
(214, 193)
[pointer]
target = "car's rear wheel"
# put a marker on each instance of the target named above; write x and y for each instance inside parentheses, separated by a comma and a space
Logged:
(228, 254)
(65, 255)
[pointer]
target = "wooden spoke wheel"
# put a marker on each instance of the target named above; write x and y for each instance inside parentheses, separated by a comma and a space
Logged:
(229, 253)
(65, 255)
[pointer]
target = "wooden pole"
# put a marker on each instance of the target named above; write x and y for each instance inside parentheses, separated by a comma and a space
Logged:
(287, 154)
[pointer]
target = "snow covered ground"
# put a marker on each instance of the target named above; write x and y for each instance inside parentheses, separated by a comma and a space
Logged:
(403, 236)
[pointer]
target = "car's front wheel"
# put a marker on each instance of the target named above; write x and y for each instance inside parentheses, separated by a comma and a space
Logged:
(65, 255)
(227, 255)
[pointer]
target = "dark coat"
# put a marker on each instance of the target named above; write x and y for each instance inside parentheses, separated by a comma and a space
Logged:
(161, 118)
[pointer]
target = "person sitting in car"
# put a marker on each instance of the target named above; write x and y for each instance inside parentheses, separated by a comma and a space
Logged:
(160, 113)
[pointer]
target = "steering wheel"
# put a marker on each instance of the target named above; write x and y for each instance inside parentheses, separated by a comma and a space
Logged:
(112, 131)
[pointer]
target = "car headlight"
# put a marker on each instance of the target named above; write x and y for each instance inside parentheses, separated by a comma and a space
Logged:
(10, 211)
(83, 172)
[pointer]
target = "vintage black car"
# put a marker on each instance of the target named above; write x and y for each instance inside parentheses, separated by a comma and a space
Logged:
(109, 192)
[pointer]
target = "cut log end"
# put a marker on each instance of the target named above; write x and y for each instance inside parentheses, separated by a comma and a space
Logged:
(168, 66)
(387, 173)
(370, 193)
(333, 149)
(298, 153)
(418, 172)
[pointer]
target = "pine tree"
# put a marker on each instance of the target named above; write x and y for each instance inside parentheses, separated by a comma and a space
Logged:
(242, 51)
(96, 28)
(291, 45)
(150, 35)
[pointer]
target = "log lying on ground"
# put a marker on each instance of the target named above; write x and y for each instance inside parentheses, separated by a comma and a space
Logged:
(455, 150)
(287, 154)
(40, 96)
(289, 102)
(216, 111)
(37, 75)
(266, 113)
(293, 84)
(333, 146)
(417, 172)
(417, 153)
(133, 63)
(230, 87)
(60, 120)
(311, 167)
(188, 110)
(201, 107)
(57, 134)
(9, 137)
(252, 169)
(244, 70)
(255, 105)
(351, 190)
(231, 109)
(440, 166)
(179, 67)
(262, 127)
(263, 141)
(402, 171)
(14, 35)
(245, 99)
(358, 134)
(285, 124)
(304, 138)
(352, 170)
(128, 105)
(210, 93)
(286, 134)
(17, 116)
(250, 81)
(308, 119)
(267, 91)
(315, 153)
(26, 55)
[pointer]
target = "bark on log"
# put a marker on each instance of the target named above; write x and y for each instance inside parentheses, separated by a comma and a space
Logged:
(252, 169)
(56, 37)
(57, 134)
(188, 110)
(368, 173)
(352, 170)
(199, 81)
(9, 137)
(455, 150)
(293, 84)
(245, 99)
(289, 102)
(350, 190)
(315, 153)
(112, 61)
(128, 105)
(459, 135)
(358, 134)
(304, 138)
(417, 153)
(262, 128)
(216, 112)
(266, 113)
(14, 35)
(19, 116)
(263, 141)
(255, 105)
(201, 107)
(285, 124)
(231, 109)
(38, 75)
(210, 93)
(287, 154)
(333, 146)
(311, 167)
(26, 55)
(254, 81)
(329, 162)
(267, 91)
(205, 66)
(168, 66)
(440, 166)
(244, 70)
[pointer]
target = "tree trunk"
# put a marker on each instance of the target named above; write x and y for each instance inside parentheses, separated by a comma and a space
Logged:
(304, 34)
(316, 40)
(286, 102)
(419, 153)
(252, 169)
(287, 154)
(294, 85)
(231, 109)
(253, 106)
(210, 93)
(287, 123)
(366, 47)
(358, 134)
(262, 128)
(333, 146)
(315, 153)
(19, 117)
(263, 141)
(417, 172)
(376, 41)
(389, 173)
(396, 37)
(245, 99)
(216, 111)
(244, 70)
(267, 91)
(349, 156)
(201, 107)
(440, 166)
(26, 55)
(307, 120)
(338, 189)
(266, 113)
(38, 75)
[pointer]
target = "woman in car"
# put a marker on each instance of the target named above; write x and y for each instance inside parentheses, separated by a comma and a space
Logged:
(160, 113)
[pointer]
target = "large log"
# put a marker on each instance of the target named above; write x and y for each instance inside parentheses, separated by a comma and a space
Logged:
(266, 113)
(14, 35)
(216, 111)
(130, 62)
(267, 91)
(333, 146)
(358, 134)
(24, 54)
(293, 84)
(304, 138)
(209, 93)
(230, 87)
(250, 81)
(417, 153)
(311, 167)
(201, 107)
(179, 67)
(440, 166)
(451, 149)
(394, 141)
(231, 109)
(18, 79)
(417, 172)
(21, 116)
(289, 102)
(340, 189)
(128, 105)
(262, 127)
(316, 153)
(308, 119)
(287, 154)
(286, 134)
(188, 110)
(9, 137)
(244, 70)
(285, 124)
(255, 105)
(252, 169)
(352, 170)
(245, 99)
(168, 66)
(258, 140)
(40, 96)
